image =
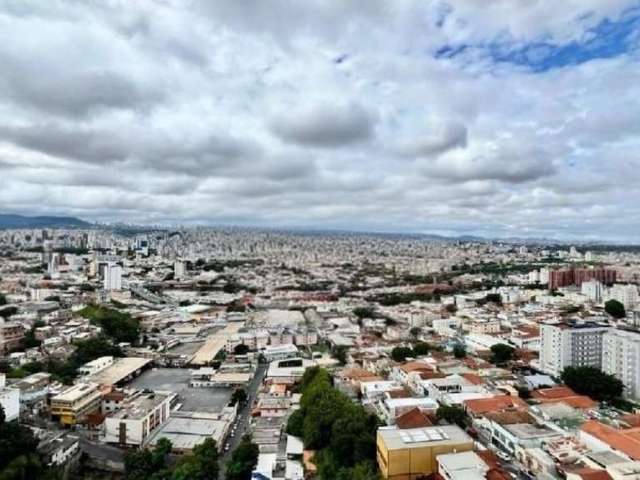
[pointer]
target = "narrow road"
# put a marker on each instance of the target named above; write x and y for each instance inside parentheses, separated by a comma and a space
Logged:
(243, 419)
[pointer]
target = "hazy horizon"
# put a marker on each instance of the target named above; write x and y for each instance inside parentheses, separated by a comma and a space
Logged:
(451, 117)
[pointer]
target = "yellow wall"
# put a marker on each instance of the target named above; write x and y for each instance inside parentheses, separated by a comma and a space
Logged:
(410, 463)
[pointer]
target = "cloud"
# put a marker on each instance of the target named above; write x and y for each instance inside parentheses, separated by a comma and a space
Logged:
(324, 125)
(237, 111)
(146, 147)
(438, 139)
(506, 162)
(71, 68)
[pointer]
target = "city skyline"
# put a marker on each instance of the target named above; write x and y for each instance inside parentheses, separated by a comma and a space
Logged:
(446, 117)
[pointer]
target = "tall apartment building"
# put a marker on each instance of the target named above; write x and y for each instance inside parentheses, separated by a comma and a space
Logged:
(11, 335)
(9, 400)
(577, 276)
(592, 290)
(625, 294)
(571, 344)
(621, 358)
(112, 279)
(179, 269)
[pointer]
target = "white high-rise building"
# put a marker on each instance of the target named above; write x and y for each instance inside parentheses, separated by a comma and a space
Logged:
(544, 276)
(179, 269)
(9, 399)
(592, 290)
(112, 277)
(625, 294)
(534, 276)
(569, 344)
(621, 358)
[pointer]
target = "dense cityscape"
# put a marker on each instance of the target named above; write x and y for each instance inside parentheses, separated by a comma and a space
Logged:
(246, 353)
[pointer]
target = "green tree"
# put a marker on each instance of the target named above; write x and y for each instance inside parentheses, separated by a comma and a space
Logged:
(295, 424)
(400, 354)
(239, 395)
(243, 460)
(17, 447)
(3, 299)
(30, 340)
(341, 431)
(593, 382)
(7, 312)
(340, 354)
(459, 350)
(240, 349)
(364, 312)
(523, 392)
(145, 464)
(24, 467)
(93, 348)
(421, 348)
(615, 308)
(452, 414)
(494, 298)
(451, 308)
(202, 464)
(501, 353)
(119, 326)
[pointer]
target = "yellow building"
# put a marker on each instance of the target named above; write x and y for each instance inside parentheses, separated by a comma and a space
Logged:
(411, 453)
(75, 403)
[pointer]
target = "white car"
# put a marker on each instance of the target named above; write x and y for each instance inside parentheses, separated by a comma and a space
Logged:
(503, 456)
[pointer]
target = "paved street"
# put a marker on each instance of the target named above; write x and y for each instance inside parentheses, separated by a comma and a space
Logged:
(244, 418)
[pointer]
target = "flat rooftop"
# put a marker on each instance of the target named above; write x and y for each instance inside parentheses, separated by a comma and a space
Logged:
(186, 433)
(176, 380)
(140, 406)
(214, 344)
(121, 369)
(528, 431)
(396, 439)
(76, 392)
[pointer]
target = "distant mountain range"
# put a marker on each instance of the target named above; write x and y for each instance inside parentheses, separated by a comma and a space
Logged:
(21, 221)
(11, 221)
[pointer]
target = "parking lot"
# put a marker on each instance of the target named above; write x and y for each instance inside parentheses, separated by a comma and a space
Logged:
(177, 380)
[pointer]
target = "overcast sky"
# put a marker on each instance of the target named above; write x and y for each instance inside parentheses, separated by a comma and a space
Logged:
(492, 117)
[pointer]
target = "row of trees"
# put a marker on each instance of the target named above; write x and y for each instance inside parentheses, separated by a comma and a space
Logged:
(18, 457)
(202, 464)
(119, 326)
(341, 432)
(501, 353)
(398, 298)
(400, 354)
(593, 382)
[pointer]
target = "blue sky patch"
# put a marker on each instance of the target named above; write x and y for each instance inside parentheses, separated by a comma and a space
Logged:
(606, 40)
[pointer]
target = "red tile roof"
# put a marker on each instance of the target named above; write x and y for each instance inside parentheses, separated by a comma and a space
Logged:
(473, 378)
(414, 418)
(499, 403)
(553, 392)
(565, 395)
(415, 367)
(626, 441)
(587, 473)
